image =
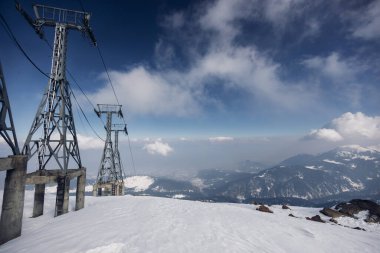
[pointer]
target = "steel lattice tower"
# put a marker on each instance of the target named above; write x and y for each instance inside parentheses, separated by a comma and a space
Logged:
(110, 177)
(116, 128)
(15, 166)
(53, 134)
(7, 129)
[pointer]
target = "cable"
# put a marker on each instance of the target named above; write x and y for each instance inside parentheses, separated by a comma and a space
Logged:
(76, 83)
(133, 160)
(108, 75)
(113, 89)
(12, 37)
(84, 115)
(72, 77)
(81, 5)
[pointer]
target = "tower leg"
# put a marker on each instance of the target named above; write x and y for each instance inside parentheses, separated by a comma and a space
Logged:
(39, 198)
(13, 200)
(81, 184)
(62, 200)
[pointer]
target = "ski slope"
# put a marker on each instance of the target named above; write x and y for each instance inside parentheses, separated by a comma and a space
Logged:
(151, 224)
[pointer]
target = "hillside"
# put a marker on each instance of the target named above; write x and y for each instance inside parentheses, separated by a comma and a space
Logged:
(151, 224)
(340, 174)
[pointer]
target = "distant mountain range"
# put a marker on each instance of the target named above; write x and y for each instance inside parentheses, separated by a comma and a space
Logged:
(339, 174)
(344, 171)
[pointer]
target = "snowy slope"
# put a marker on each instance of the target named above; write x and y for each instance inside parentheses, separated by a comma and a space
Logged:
(151, 224)
(138, 183)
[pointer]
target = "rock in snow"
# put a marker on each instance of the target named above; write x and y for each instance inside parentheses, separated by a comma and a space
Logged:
(150, 224)
(264, 209)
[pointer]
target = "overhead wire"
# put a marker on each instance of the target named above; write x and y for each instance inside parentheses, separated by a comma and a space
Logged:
(74, 79)
(84, 115)
(114, 92)
(10, 33)
(79, 87)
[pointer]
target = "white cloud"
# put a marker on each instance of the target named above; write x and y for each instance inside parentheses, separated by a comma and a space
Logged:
(349, 126)
(375, 147)
(176, 20)
(357, 124)
(366, 24)
(325, 134)
(333, 66)
(221, 15)
(89, 142)
(182, 91)
(147, 92)
(158, 147)
(220, 139)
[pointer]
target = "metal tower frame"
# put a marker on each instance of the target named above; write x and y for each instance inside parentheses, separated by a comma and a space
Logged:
(54, 117)
(116, 128)
(7, 128)
(108, 172)
(15, 167)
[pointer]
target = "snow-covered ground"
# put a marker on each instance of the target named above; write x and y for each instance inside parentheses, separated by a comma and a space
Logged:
(151, 224)
(138, 183)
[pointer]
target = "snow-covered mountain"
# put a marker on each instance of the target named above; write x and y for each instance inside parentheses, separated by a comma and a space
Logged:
(345, 171)
(339, 174)
(150, 224)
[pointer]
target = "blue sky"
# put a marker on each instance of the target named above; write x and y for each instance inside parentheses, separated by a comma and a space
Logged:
(200, 69)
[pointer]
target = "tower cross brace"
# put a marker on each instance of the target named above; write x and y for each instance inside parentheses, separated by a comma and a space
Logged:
(53, 134)
(110, 176)
(116, 128)
(7, 129)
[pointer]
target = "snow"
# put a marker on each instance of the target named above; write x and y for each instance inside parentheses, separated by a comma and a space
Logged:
(354, 156)
(357, 186)
(198, 182)
(179, 196)
(138, 183)
(332, 161)
(240, 197)
(50, 189)
(149, 224)
(88, 188)
(357, 148)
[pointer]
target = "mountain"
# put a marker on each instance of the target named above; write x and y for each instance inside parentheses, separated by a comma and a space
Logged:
(249, 166)
(307, 180)
(207, 185)
(151, 224)
(343, 172)
(161, 187)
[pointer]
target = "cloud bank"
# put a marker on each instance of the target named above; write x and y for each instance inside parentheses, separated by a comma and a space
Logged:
(214, 61)
(89, 142)
(158, 147)
(220, 139)
(349, 126)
